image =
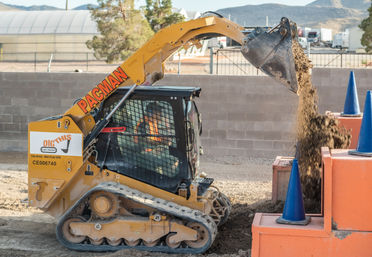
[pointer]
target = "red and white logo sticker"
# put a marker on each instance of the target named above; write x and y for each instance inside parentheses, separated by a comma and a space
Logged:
(52, 143)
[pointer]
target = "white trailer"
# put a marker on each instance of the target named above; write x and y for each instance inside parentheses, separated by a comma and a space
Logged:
(341, 40)
(320, 36)
(325, 35)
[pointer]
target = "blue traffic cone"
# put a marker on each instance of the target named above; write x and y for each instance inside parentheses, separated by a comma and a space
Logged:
(351, 107)
(294, 211)
(364, 147)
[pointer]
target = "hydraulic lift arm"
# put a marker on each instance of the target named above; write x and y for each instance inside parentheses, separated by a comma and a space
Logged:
(146, 65)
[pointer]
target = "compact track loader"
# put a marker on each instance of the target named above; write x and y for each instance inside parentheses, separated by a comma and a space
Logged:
(119, 169)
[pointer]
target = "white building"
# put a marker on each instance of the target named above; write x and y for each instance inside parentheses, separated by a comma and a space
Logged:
(24, 34)
(355, 35)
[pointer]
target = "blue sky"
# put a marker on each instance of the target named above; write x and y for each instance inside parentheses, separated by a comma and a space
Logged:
(191, 5)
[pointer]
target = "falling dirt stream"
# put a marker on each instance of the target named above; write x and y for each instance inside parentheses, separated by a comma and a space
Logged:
(314, 130)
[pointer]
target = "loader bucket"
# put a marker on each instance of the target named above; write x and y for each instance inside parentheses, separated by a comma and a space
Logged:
(271, 52)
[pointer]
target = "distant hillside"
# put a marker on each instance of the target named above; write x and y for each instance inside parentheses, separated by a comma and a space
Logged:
(32, 7)
(85, 7)
(4, 7)
(310, 16)
(354, 4)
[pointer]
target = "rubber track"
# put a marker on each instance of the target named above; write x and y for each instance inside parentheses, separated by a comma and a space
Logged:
(162, 205)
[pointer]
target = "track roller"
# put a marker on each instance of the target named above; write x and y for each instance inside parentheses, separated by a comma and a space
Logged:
(132, 243)
(68, 234)
(202, 235)
(170, 242)
(114, 242)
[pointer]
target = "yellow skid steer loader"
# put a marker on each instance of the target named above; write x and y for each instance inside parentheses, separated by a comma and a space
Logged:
(119, 169)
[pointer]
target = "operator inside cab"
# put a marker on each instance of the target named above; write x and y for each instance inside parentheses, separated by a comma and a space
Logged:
(153, 137)
(149, 125)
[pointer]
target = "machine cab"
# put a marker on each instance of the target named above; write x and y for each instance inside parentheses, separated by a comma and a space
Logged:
(153, 136)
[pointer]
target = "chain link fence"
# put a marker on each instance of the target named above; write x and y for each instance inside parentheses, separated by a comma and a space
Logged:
(226, 61)
(230, 61)
(55, 61)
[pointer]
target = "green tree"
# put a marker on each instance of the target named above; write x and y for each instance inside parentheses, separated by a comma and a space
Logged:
(123, 30)
(366, 26)
(159, 14)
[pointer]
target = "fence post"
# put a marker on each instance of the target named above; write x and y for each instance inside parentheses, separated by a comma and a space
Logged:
(50, 62)
(87, 60)
(217, 62)
(35, 61)
(179, 64)
(211, 60)
(341, 59)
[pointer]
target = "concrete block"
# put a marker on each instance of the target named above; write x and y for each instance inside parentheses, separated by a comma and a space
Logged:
(283, 145)
(58, 93)
(10, 109)
(224, 124)
(5, 100)
(9, 127)
(261, 153)
(11, 76)
(77, 93)
(36, 85)
(44, 93)
(20, 92)
(43, 112)
(20, 119)
(12, 135)
(217, 133)
(6, 118)
(208, 142)
(242, 125)
(245, 143)
(66, 103)
(209, 115)
(49, 102)
(16, 101)
(33, 76)
(209, 124)
(263, 135)
(230, 143)
(263, 144)
(235, 134)
(14, 145)
(263, 125)
(236, 116)
(223, 151)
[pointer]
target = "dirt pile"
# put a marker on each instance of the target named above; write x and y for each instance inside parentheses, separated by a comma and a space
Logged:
(314, 130)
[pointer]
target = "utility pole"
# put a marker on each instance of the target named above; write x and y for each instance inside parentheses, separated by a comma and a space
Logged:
(66, 5)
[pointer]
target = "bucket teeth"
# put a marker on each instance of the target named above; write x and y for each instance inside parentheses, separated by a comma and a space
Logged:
(271, 52)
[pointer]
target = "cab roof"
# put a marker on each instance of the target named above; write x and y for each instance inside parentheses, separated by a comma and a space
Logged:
(164, 90)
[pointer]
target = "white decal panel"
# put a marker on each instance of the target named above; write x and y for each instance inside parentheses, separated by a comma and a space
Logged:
(52, 143)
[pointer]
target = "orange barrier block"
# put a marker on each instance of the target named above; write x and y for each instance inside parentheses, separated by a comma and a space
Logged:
(344, 229)
(353, 124)
(281, 171)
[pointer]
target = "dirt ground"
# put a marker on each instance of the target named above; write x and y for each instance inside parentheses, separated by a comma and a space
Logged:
(26, 231)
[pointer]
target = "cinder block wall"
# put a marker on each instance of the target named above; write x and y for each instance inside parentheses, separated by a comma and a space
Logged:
(242, 116)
